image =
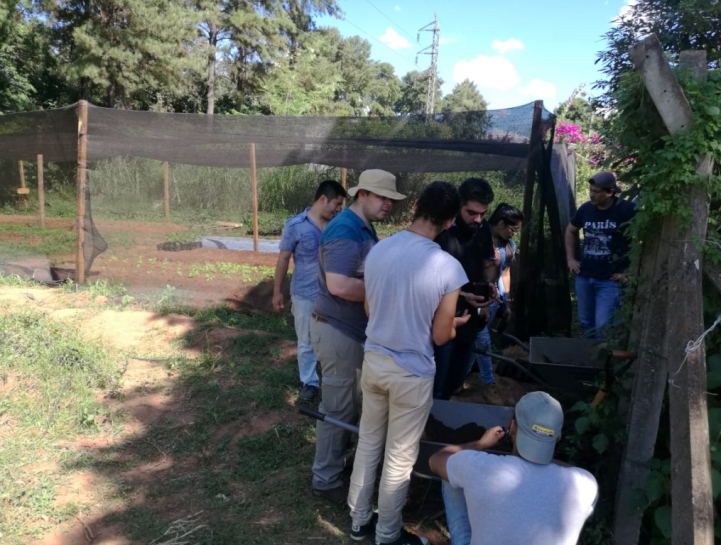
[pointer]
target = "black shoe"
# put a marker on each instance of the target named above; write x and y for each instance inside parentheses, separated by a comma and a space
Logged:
(308, 392)
(406, 538)
(359, 533)
(338, 495)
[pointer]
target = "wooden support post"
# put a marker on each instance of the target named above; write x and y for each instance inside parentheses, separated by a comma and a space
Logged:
(649, 384)
(22, 191)
(692, 502)
(21, 172)
(254, 196)
(166, 189)
(692, 510)
(41, 191)
(343, 177)
(524, 286)
(81, 183)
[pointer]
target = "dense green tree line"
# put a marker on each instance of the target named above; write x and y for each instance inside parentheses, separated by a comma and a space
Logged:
(201, 56)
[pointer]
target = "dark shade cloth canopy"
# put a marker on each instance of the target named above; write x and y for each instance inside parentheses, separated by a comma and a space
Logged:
(451, 142)
(470, 142)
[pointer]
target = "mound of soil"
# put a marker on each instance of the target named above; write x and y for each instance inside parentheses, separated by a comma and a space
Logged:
(179, 246)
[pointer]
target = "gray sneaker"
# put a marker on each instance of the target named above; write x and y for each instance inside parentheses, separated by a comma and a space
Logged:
(308, 392)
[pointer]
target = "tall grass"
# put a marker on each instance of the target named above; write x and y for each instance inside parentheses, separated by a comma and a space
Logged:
(131, 188)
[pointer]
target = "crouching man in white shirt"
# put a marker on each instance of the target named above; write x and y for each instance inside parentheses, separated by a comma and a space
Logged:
(525, 499)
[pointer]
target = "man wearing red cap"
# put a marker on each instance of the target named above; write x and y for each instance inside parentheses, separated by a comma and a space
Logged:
(604, 256)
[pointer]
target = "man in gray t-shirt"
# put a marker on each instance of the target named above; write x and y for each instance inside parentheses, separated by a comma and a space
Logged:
(412, 288)
(524, 499)
(338, 322)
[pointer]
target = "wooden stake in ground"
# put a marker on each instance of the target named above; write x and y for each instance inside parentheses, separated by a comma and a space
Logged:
(254, 196)
(21, 173)
(81, 183)
(22, 191)
(41, 191)
(692, 501)
(166, 189)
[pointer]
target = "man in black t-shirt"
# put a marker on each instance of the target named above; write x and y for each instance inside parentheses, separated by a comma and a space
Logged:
(604, 256)
(469, 240)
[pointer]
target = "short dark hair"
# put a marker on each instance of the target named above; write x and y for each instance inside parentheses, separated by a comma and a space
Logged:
(331, 189)
(476, 189)
(510, 215)
(438, 203)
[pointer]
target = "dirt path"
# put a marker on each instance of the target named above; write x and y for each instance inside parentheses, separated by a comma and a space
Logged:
(147, 393)
(156, 464)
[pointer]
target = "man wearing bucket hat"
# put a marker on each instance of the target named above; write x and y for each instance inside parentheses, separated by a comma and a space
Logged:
(604, 256)
(338, 322)
(520, 499)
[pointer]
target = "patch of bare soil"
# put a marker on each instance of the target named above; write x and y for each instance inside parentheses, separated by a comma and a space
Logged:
(145, 270)
(147, 394)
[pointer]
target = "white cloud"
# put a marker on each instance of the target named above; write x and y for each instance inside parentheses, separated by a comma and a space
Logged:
(487, 72)
(539, 89)
(394, 40)
(509, 45)
(397, 8)
(453, 39)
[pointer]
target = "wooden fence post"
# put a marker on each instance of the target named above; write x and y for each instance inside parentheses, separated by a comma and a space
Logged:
(41, 191)
(343, 177)
(649, 384)
(691, 491)
(254, 196)
(166, 189)
(692, 517)
(22, 191)
(81, 183)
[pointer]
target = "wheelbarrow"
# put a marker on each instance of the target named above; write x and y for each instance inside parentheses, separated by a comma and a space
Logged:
(567, 366)
(452, 414)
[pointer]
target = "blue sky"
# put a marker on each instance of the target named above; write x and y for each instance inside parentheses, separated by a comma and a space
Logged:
(516, 51)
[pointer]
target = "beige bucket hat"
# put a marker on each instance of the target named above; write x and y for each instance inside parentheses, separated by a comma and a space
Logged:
(379, 182)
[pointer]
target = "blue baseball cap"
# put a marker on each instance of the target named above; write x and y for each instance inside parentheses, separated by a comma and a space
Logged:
(540, 419)
(604, 180)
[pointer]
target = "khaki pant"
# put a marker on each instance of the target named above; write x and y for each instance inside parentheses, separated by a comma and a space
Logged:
(340, 360)
(396, 405)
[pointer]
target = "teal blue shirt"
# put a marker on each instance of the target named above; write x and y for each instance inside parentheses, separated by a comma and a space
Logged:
(344, 246)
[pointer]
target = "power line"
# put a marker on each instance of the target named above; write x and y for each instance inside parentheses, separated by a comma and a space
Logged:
(432, 72)
(391, 20)
(377, 40)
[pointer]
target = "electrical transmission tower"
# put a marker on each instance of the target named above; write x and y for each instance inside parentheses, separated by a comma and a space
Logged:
(432, 72)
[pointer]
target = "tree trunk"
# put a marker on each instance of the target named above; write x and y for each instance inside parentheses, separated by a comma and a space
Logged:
(212, 42)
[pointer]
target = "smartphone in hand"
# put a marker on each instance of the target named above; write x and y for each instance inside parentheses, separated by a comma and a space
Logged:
(483, 289)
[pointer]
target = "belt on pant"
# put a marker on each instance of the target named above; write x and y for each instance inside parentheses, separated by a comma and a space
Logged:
(320, 318)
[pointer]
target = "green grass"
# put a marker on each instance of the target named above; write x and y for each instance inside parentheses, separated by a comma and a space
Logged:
(50, 381)
(33, 242)
(240, 452)
(16, 281)
(253, 489)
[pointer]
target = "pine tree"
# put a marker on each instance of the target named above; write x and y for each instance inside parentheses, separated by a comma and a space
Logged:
(464, 98)
(123, 50)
